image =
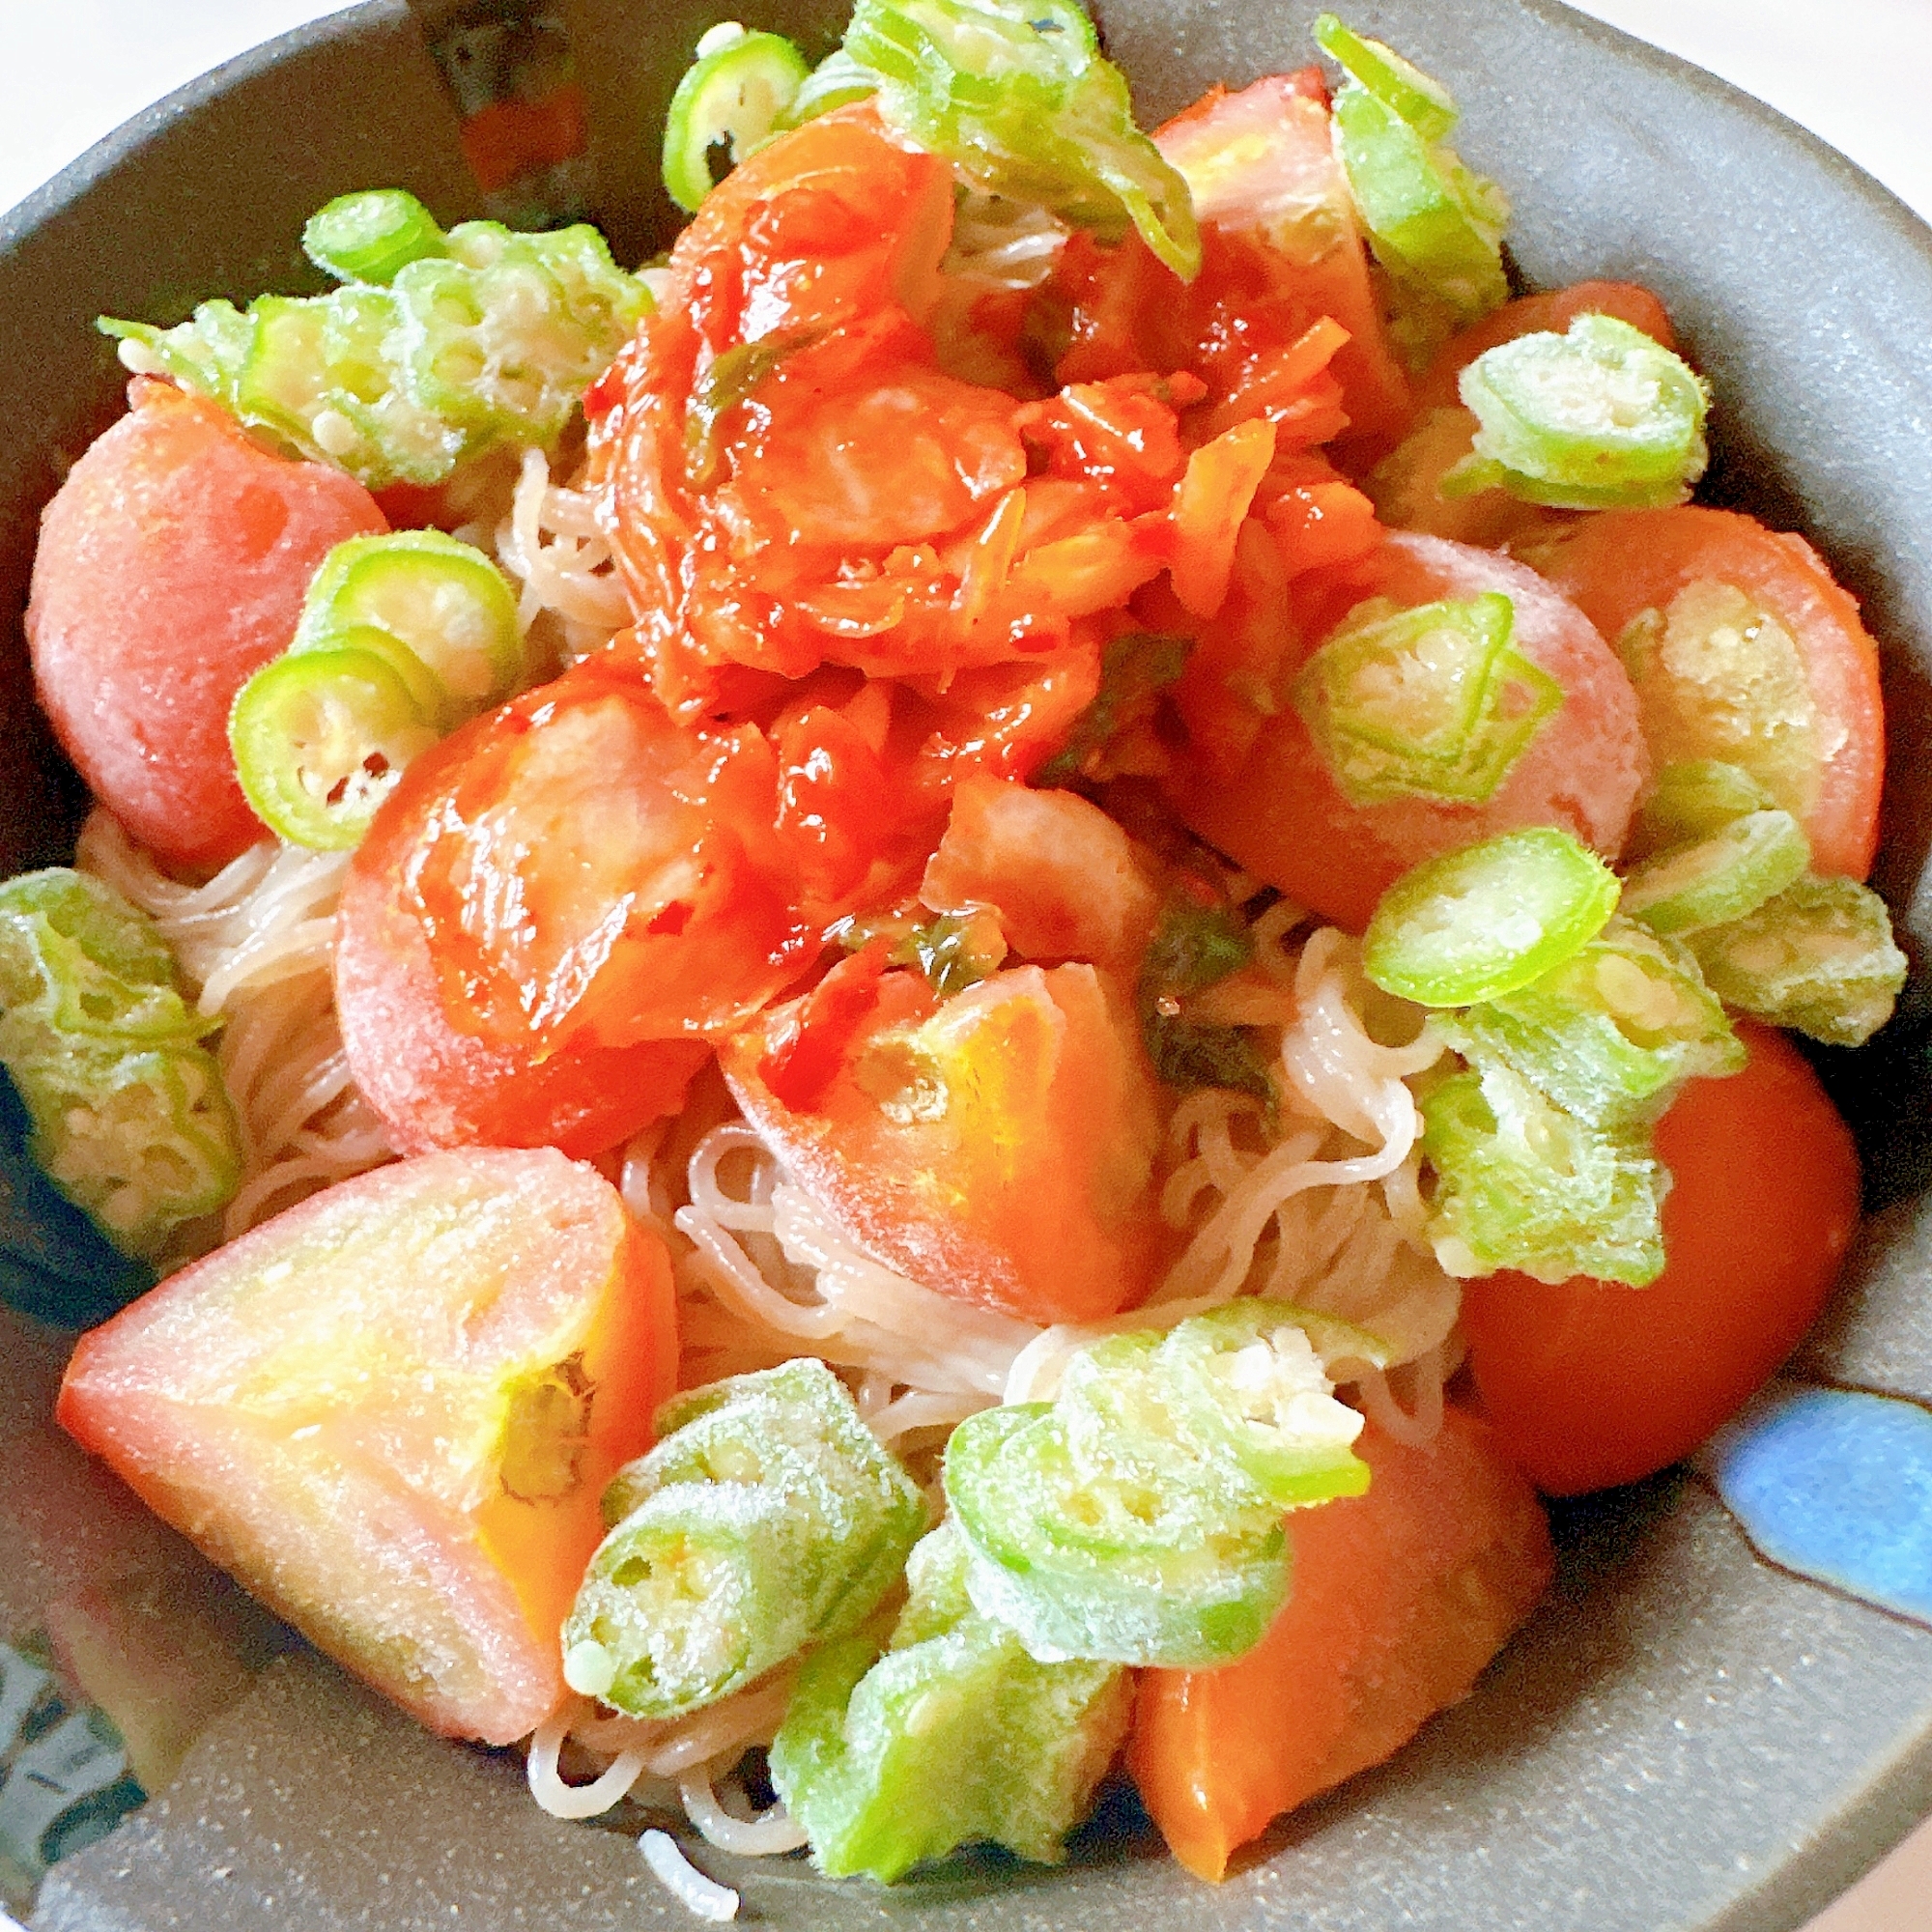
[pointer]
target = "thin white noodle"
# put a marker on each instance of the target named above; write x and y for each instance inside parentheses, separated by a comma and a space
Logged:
(773, 1831)
(256, 949)
(702, 1896)
(612, 1787)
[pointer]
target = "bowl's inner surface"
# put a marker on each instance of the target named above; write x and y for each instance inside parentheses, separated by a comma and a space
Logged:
(1682, 1737)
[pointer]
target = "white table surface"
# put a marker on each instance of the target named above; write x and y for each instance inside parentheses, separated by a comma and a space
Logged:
(1852, 71)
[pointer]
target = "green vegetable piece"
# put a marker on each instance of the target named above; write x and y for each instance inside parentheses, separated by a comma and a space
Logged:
(766, 1519)
(729, 381)
(1612, 1034)
(951, 950)
(319, 739)
(1434, 226)
(1488, 920)
(129, 1114)
(1020, 99)
(1519, 1183)
(835, 82)
(371, 235)
(1193, 948)
(56, 1264)
(496, 350)
(491, 337)
(1430, 702)
(1137, 1518)
(1092, 1556)
(1692, 799)
(1819, 957)
(1600, 417)
(1248, 1386)
(731, 97)
(1135, 669)
(1722, 877)
(130, 1119)
(204, 354)
(954, 1736)
(79, 963)
(373, 425)
(442, 599)
(1426, 105)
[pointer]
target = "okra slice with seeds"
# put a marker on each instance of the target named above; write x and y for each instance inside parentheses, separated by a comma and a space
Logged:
(1519, 1183)
(319, 739)
(142, 1141)
(443, 599)
(1089, 1551)
(1490, 918)
(1611, 1034)
(1137, 1518)
(79, 964)
(1720, 878)
(127, 1113)
(954, 1736)
(1434, 702)
(1819, 957)
(767, 1518)
(1600, 417)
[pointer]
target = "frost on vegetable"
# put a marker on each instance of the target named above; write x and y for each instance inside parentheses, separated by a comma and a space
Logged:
(1137, 1518)
(1021, 102)
(439, 345)
(1611, 1034)
(1431, 703)
(1819, 957)
(1436, 226)
(766, 1520)
(130, 1120)
(953, 1736)
(1720, 877)
(1599, 417)
(1520, 1184)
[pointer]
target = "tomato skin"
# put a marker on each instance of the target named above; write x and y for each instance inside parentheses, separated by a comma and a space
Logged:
(1591, 1383)
(1281, 814)
(1554, 310)
(584, 870)
(436, 1084)
(328, 1407)
(172, 565)
(1399, 1598)
(1623, 562)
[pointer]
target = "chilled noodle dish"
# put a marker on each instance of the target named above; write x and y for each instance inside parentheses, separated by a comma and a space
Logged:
(907, 1015)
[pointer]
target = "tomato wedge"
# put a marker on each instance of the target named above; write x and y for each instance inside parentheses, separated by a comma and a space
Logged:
(1283, 248)
(1591, 1383)
(582, 865)
(998, 1149)
(391, 1413)
(171, 566)
(1743, 648)
(1281, 814)
(1399, 1599)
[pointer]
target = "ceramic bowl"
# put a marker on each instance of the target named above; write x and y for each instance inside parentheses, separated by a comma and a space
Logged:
(1684, 1736)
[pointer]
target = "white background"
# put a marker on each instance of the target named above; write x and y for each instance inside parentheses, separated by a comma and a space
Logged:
(1854, 70)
